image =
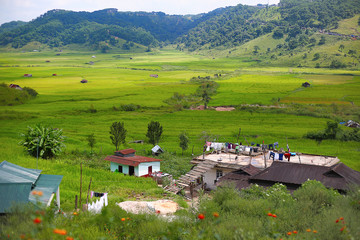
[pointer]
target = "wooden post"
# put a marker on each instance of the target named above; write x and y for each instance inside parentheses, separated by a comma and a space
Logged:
(80, 183)
(192, 154)
(76, 201)
(265, 160)
(87, 198)
(238, 135)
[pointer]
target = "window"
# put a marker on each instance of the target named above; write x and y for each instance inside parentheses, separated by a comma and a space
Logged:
(219, 173)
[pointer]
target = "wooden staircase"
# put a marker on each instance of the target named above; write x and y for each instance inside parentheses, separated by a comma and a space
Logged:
(195, 173)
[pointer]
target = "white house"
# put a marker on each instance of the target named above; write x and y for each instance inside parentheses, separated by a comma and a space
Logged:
(125, 161)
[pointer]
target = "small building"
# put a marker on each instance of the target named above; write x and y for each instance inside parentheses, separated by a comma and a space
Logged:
(125, 161)
(154, 75)
(157, 150)
(54, 74)
(15, 86)
(18, 185)
(305, 84)
(84, 81)
(27, 75)
(293, 175)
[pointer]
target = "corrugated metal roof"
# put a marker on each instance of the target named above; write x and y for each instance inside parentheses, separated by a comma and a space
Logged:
(47, 184)
(337, 177)
(239, 177)
(131, 161)
(126, 151)
(11, 173)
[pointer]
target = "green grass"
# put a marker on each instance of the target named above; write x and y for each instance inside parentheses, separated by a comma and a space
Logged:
(63, 102)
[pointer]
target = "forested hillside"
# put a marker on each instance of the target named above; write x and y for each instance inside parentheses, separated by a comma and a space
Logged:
(295, 21)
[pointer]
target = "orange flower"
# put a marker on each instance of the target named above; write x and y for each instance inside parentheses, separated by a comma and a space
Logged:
(60, 231)
(123, 219)
(295, 232)
(37, 220)
(69, 238)
(274, 215)
(314, 231)
(341, 218)
(216, 214)
(289, 233)
(342, 229)
(308, 230)
(75, 213)
(22, 236)
(337, 220)
(201, 216)
(269, 214)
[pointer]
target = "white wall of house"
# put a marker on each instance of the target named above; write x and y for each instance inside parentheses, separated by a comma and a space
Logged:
(211, 175)
(140, 170)
(144, 167)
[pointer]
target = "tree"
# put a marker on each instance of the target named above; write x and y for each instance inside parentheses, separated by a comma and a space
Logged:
(154, 132)
(316, 56)
(184, 142)
(256, 49)
(118, 134)
(341, 47)
(322, 41)
(45, 142)
(91, 141)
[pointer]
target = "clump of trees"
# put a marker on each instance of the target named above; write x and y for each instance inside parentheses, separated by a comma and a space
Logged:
(42, 141)
(183, 142)
(333, 131)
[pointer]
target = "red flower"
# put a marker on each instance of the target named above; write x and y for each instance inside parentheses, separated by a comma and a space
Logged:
(60, 231)
(201, 216)
(22, 236)
(122, 219)
(341, 218)
(157, 211)
(337, 220)
(69, 238)
(274, 215)
(269, 214)
(295, 232)
(342, 229)
(289, 233)
(37, 220)
(216, 214)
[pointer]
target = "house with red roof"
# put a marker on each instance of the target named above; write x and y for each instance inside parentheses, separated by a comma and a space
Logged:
(125, 161)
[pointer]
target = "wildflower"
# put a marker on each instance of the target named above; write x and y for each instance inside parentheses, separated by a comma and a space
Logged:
(22, 236)
(60, 231)
(342, 229)
(314, 231)
(269, 214)
(69, 238)
(216, 214)
(337, 220)
(201, 216)
(308, 230)
(122, 219)
(295, 232)
(157, 211)
(289, 233)
(341, 218)
(75, 213)
(274, 215)
(37, 220)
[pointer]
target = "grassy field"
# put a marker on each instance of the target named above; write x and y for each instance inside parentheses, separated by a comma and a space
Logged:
(115, 79)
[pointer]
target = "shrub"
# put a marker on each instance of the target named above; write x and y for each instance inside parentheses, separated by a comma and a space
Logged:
(129, 107)
(30, 91)
(337, 64)
(45, 142)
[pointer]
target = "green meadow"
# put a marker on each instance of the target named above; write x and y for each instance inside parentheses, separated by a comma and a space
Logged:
(270, 106)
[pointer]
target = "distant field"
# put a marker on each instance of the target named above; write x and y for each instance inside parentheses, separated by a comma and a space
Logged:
(115, 79)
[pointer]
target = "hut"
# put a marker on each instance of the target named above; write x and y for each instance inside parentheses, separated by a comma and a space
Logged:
(305, 84)
(54, 74)
(157, 150)
(27, 75)
(19, 185)
(125, 161)
(154, 75)
(84, 81)
(15, 86)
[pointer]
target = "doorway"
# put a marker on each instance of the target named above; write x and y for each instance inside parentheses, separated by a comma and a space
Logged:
(131, 170)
